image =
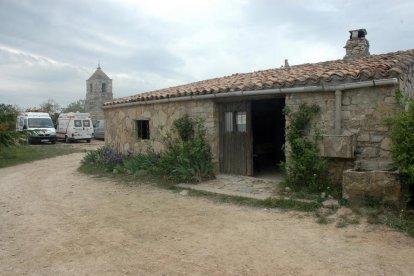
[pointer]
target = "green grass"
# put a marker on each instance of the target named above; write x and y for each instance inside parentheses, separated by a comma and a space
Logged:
(393, 218)
(27, 153)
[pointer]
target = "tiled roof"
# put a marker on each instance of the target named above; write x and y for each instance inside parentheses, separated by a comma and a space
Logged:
(338, 71)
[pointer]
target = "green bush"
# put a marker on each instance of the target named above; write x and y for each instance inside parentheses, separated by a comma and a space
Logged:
(187, 158)
(305, 168)
(402, 136)
(185, 127)
(8, 135)
(136, 163)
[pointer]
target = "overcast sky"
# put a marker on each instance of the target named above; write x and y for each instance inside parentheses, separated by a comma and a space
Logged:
(48, 48)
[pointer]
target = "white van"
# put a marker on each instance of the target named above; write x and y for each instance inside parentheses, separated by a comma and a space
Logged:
(40, 124)
(74, 126)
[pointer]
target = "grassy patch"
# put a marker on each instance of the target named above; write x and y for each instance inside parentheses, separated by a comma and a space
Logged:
(345, 220)
(393, 218)
(323, 214)
(27, 153)
(283, 204)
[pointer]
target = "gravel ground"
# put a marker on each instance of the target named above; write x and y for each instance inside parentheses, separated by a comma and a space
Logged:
(57, 221)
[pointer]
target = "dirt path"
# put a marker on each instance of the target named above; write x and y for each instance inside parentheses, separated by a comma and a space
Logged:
(56, 221)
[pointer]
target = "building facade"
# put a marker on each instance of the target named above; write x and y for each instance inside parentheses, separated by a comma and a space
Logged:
(243, 115)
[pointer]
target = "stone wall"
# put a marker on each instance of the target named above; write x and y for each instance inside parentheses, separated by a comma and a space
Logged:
(364, 185)
(363, 114)
(362, 124)
(407, 83)
(356, 48)
(362, 111)
(121, 132)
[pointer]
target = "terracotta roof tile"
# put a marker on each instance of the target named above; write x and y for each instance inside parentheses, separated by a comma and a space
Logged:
(367, 68)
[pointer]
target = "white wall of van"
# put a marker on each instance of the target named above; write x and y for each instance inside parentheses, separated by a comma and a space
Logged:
(74, 126)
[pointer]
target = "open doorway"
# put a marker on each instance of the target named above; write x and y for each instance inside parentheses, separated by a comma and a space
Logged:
(268, 131)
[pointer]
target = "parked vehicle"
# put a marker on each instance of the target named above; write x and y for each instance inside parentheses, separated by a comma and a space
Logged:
(40, 124)
(74, 127)
(99, 129)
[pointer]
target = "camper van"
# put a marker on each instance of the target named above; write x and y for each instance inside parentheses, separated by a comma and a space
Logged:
(74, 126)
(40, 124)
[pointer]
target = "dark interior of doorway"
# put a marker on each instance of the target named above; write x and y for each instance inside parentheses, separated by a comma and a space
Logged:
(268, 130)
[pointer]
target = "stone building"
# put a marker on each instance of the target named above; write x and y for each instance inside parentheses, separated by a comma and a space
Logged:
(246, 126)
(98, 91)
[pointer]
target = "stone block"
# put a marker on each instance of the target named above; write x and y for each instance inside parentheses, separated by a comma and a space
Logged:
(386, 144)
(346, 115)
(383, 128)
(369, 152)
(363, 138)
(387, 166)
(362, 99)
(390, 100)
(346, 100)
(385, 154)
(376, 138)
(374, 165)
(366, 165)
(350, 107)
(381, 185)
(339, 146)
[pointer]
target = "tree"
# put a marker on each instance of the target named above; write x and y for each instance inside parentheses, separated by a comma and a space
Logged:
(77, 106)
(8, 135)
(50, 106)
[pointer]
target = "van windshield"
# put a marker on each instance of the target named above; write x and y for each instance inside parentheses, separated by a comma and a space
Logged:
(40, 123)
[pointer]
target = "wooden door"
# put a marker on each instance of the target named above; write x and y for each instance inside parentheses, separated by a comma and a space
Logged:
(235, 138)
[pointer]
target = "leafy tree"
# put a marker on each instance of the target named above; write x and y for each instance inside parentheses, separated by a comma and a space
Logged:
(50, 106)
(76, 106)
(8, 135)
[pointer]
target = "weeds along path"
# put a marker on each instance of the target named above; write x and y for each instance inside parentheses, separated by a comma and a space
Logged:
(56, 221)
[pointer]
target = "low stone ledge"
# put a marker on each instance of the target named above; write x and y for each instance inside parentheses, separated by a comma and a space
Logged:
(381, 185)
(374, 165)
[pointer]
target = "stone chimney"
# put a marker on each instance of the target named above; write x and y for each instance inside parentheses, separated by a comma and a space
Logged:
(357, 45)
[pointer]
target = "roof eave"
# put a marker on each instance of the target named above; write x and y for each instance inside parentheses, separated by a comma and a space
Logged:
(276, 91)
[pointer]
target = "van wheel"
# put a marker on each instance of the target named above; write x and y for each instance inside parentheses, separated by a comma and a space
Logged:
(88, 140)
(54, 142)
(67, 140)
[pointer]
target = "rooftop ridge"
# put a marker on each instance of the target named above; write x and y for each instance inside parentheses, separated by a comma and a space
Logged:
(371, 67)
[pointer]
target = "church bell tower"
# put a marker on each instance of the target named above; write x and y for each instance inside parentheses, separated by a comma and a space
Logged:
(98, 91)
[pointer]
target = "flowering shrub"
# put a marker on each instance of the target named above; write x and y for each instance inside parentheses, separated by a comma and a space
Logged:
(187, 158)
(104, 157)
